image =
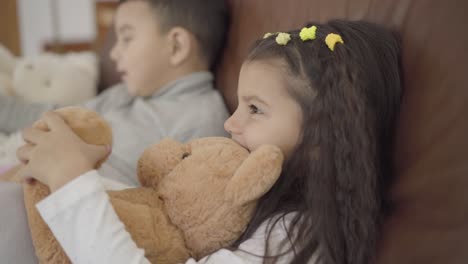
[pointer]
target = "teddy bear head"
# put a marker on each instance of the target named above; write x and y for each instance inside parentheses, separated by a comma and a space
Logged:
(64, 79)
(209, 186)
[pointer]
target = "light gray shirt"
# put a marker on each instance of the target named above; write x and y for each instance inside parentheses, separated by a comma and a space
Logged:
(187, 108)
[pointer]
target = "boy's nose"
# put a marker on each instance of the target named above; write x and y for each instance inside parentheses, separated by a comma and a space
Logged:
(113, 53)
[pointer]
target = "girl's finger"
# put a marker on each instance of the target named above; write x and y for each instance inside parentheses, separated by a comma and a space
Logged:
(102, 152)
(24, 153)
(23, 173)
(54, 121)
(32, 135)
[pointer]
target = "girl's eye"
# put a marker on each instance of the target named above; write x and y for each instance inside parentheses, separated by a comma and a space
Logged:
(254, 109)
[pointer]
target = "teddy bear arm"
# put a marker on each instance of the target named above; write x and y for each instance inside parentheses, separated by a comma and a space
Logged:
(219, 231)
(255, 176)
(141, 211)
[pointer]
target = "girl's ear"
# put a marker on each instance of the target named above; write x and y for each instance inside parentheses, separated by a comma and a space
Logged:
(181, 45)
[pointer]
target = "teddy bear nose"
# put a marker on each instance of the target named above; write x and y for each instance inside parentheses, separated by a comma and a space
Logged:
(185, 155)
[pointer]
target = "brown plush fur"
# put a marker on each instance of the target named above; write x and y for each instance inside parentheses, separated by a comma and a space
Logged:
(92, 129)
(196, 198)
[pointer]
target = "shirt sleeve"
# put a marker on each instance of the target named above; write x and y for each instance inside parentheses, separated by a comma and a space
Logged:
(82, 219)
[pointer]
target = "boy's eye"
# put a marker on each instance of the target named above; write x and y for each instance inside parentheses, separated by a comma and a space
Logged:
(254, 109)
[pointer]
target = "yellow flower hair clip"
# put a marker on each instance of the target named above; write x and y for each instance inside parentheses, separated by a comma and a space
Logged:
(283, 38)
(308, 33)
(332, 39)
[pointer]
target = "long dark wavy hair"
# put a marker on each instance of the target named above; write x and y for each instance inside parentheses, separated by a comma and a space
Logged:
(336, 178)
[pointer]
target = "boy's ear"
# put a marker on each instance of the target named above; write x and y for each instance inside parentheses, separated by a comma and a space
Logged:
(181, 45)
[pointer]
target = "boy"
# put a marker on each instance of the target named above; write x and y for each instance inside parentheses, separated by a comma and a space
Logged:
(164, 51)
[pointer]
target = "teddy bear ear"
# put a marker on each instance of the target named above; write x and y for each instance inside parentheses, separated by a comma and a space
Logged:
(86, 61)
(7, 60)
(256, 175)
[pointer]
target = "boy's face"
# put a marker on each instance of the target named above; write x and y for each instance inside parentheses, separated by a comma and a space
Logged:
(266, 113)
(141, 52)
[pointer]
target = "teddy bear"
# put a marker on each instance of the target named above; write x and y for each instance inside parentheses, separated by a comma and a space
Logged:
(63, 79)
(194, 199)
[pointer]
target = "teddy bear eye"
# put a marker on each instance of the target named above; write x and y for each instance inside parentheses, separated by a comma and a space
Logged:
(185, 155)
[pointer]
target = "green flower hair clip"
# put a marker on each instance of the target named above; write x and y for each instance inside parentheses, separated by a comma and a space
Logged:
(308, 33)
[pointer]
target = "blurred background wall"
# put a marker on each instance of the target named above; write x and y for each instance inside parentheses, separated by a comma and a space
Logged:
(28, 27)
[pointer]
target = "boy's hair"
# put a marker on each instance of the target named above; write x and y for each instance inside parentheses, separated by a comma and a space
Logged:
(206, 19)
(337, 176)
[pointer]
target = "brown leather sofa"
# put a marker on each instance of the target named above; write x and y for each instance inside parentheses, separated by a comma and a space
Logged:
(430, 195)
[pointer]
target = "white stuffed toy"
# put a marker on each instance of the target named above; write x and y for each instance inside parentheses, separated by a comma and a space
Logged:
(7, 64)
(64, 79)
(47, 78)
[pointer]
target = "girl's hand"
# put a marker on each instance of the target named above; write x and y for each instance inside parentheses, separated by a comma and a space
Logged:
(57, 156)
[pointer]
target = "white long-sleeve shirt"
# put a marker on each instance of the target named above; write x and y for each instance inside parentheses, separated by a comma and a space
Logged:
(84, 222)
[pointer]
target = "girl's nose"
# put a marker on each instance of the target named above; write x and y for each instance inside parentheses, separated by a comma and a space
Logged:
(232, 125)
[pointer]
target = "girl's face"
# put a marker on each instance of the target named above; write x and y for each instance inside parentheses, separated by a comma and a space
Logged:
(266, 113)
(141, 52)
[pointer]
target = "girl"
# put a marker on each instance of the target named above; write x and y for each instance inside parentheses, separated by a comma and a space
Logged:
(327, 95)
